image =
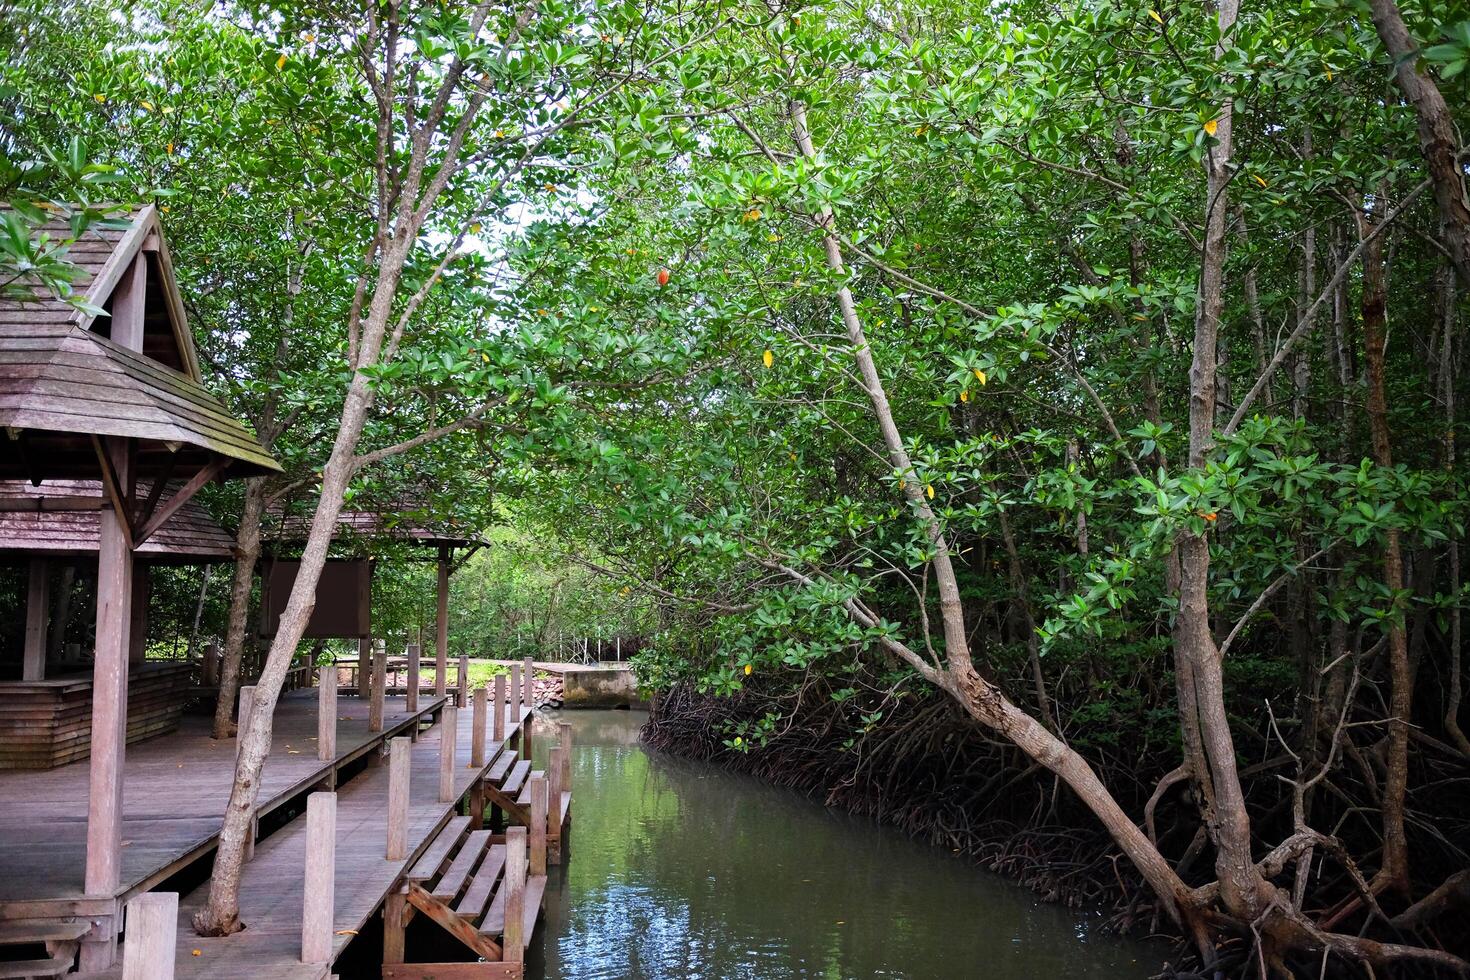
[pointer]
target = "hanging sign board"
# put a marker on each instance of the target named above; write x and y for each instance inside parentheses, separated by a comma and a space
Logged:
(343, 598)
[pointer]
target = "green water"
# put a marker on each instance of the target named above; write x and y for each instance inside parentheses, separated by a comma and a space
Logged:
(678, 870)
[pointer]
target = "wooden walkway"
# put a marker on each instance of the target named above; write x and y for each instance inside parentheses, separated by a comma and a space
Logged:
(175, 790)
(271, 895)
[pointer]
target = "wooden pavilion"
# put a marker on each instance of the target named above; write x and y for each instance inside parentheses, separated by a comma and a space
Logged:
(115, 400)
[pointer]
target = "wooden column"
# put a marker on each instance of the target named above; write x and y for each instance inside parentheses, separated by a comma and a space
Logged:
(395, 907)
(138, 613)
(380, 681)
(539, 794)
(462, 688)
(448, 735)
(477, 732)
(399, 757)
(499, 734)
(515, 693)
(326, 714)
(152, 927)
(38, 612)
(364, 666)
(109, 697)
(209, 671)
(564, 740)
(319, 895)
(441, 638)
(413, 677)
(515, 895)
(553, 790)
(528, 683)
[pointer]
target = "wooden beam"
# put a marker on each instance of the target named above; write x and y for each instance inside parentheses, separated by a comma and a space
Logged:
(185, 494)
(448, 736)
(413, 677)
(394, 922)
(513, 941)
(441, 620)
(454, 971)
(155, 492)
(152, 927)
(399, 758)
(116, 478)
(538, 825)
(513, 810)
(326, 713)
(457, 926)
(138, 611)
(318, 900)
(38, 612)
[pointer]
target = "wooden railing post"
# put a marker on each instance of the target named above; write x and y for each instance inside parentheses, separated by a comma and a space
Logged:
(554, 787)
(462, 691)
(477, 730)
(528, 681)
(319, 895)
(364, 666)
(326, 713)
(399, 757)
(209, 671)
(499, 708)
(564, 739)
(539, 794)
(152, 927)
(413, 677)
(379, 683)
(514, 938)
(515, 694)
(448, 734)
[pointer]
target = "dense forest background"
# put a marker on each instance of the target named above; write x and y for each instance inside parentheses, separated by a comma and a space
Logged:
(1033, 424)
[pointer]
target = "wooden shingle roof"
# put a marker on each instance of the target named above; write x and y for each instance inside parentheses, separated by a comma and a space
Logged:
(64, 381)
(387, 525)
(61, 517)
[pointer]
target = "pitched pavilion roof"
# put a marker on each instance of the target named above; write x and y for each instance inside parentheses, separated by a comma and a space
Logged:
(61, 517)
(387, 525)
(63, 380)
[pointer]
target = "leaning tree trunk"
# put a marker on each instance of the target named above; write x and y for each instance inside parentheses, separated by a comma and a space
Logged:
(247, 553)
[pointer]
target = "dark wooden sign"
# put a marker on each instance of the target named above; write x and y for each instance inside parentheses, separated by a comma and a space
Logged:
(343, 598)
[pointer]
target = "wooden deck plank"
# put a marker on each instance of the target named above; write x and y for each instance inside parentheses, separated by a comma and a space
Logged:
(494, 922)
(477, 896)
(518, 776)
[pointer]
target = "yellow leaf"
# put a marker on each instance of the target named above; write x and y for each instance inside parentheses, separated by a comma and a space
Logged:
(485, 358)
(929, 490)
(147, 105)
(768, 358)
(1155, 15)
(309, 38)
(475, 228)
(965, 395)
(980, 376)
(100, 98)
(500, 134)
(280, 62)
(170, 149)
(747, 670)
(1211, 126)
(754, 214)
(902, 484)
(1259, 179)
(1329, 74)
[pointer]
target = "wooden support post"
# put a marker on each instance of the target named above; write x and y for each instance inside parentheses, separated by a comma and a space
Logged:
(379, 683)
(209, 671)
(462, 691)
(515, 693)
(448, 735)
(413, 677)
(441, 626)
(499, 708)
(513, 938)
(364, 666)
(38, 612)
(564, 739)
(399, 757)
(152, 926)
(553, 790)
(319, 896)
(138, 613)
(395, 907)
(477, 733)
(528, 683)
(540, 793)
(109, 703)
(326, 714)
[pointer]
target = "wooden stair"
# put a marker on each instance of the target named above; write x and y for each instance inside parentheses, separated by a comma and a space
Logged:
(61, 939)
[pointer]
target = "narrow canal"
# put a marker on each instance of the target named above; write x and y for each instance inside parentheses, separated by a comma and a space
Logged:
(679, 869)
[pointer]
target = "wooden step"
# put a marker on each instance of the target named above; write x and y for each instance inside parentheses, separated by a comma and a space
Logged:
(53, 966)
(524, 799)
(41, 931)
(452, 881)
(517, 778)
(494, 921)
(501, 767)
(477, 895)
(428, 866)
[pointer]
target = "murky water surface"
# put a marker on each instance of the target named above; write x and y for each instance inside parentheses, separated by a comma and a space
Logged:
(680, 870)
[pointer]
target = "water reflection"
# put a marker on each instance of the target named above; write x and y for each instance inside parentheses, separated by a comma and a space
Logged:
(681, 870)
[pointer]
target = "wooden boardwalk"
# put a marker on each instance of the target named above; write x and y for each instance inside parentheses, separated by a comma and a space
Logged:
(175, 789)
(272, 886)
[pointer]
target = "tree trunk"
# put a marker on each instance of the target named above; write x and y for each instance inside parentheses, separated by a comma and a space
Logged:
(1394, 870)
(1438, 141)
(247, 553)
